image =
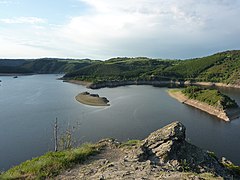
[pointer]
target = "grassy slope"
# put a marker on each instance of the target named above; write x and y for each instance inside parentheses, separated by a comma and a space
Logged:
(50, 164)
(228, 71)
(192, 68)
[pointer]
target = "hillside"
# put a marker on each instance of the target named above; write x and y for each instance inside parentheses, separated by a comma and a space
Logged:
(120, 69)
(164, 154)
(221, 67)
(42, 66)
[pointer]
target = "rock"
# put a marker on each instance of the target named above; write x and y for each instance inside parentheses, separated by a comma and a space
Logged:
(94, 95)
(164, 154)
(85, 93)
(167, 147)
(226, 161)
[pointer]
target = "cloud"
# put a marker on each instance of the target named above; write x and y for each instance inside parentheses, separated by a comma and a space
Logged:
(23, 20)
(11, 49)
(5, 2)
(154, 28)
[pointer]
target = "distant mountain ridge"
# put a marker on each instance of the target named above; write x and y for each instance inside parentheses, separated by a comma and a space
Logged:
(223, 67)
(42, 65)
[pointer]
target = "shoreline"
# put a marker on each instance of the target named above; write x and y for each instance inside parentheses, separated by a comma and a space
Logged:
(83, 83)
(214, 84)
(92, 99)
(226, 115)
(16, 74)
(112, 84)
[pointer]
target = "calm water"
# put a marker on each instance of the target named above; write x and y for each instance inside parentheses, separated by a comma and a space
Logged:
(30, 104)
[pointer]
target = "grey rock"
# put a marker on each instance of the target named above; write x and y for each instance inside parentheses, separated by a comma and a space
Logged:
(164, 154)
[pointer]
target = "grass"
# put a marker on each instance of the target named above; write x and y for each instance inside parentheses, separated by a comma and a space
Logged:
(209, 176)
(130, 143)
(233, 168)
(174, 90)
(212, 154)
(50, 164)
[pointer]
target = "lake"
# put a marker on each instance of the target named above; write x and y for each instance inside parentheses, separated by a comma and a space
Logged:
(29, 106)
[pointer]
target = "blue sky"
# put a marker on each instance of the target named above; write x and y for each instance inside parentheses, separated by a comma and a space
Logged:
(101, 29)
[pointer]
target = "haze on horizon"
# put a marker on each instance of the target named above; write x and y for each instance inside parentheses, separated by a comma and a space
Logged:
(101, 29)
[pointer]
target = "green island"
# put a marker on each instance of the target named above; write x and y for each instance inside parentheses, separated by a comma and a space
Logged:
(211, 101)
(92, 99)
(164, 154)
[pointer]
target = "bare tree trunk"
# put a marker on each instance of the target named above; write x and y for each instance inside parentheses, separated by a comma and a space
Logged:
(55, 136)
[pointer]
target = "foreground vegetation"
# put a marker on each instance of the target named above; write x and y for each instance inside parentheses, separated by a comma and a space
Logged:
(125, 157)
(53, 163)
(50, 164)
(210, 96)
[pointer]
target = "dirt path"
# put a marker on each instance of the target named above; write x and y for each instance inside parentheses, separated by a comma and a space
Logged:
(89, 168)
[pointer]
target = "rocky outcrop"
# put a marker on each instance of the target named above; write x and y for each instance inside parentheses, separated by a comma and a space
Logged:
(112, 84)
(167, 147)
(235, 85)
(164, 154)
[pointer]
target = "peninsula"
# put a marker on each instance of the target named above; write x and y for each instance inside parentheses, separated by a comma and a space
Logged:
(208, 100)
(92, 99)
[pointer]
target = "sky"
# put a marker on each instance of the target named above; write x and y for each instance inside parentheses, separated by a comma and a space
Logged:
(102, 29)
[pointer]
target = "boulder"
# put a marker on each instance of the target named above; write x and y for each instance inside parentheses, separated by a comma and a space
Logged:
(168, 148)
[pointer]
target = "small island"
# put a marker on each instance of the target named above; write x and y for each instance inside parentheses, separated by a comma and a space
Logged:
(92, 99)
(209, 100)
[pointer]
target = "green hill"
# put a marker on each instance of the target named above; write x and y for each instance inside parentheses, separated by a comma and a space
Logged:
(42, 66)
(120, 69)
(221, 67)
(226, 70)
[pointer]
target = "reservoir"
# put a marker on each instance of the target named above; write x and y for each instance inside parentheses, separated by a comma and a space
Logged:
(29, 106)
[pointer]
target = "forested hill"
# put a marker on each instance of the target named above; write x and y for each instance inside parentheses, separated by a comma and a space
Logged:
(43, 65)
(221, 67)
